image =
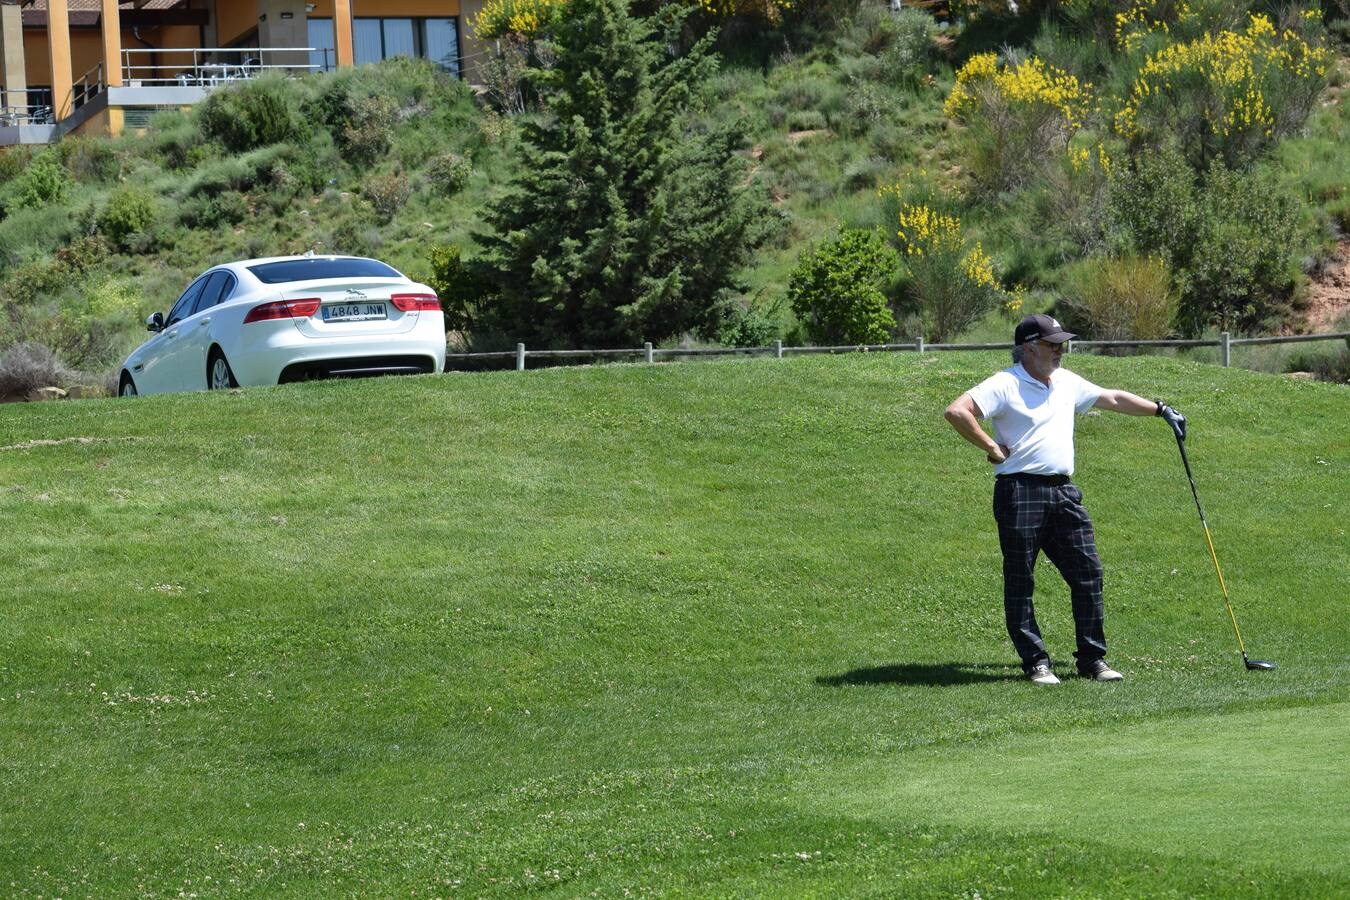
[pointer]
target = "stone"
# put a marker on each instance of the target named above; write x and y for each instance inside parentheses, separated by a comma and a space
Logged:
(45, 393)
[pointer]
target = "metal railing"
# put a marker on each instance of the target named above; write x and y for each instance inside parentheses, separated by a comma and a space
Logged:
(87, 87)
(209, 66)
(11, 116)
(650, 354)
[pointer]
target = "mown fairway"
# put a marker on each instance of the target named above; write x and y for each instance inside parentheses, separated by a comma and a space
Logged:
(709, 629)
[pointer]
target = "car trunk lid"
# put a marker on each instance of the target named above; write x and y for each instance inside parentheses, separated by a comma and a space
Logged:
(357, 307)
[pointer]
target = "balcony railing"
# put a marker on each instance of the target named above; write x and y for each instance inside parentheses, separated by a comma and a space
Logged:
(211, 66)
(25, 115)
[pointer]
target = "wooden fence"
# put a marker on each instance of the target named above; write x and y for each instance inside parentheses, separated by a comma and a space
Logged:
(1225, 342)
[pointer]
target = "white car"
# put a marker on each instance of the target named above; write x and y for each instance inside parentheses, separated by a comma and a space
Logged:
(288, 318)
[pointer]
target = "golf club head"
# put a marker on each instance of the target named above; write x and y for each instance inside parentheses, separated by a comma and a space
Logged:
(1261, 664)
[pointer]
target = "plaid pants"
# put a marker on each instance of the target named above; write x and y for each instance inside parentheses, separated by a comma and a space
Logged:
(1036, 513)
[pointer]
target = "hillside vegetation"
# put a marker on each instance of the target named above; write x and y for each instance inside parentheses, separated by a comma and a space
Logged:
(706, 629)
(1140, 169)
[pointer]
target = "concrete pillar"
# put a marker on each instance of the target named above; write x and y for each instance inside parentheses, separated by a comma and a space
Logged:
(58, 45)
(342, 33)
(112, 44)
(11, 46)
(282, 23)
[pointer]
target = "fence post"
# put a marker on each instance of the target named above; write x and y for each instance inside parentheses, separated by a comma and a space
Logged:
(647, 349)
(1224, 347)
(778, 349)
(520, 357)
(918, 342)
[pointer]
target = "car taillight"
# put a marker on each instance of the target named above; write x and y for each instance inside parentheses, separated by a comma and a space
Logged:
(283, 309)
(414, 302)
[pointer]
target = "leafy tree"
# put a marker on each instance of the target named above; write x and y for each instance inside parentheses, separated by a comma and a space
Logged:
(625, 223)
(836, 289)
(1228, 236)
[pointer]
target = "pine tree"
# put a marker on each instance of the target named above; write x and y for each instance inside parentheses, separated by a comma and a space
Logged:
(626, 223)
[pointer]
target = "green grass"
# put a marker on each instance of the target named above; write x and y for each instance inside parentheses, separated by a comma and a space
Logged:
(717, 629)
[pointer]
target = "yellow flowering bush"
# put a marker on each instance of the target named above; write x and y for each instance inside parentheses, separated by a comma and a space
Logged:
(1225, 95)
(528, 18)
(1018, 117)
(953, 280)
(769, 10)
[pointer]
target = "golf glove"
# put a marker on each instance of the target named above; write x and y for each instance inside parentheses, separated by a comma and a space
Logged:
(1174, 418)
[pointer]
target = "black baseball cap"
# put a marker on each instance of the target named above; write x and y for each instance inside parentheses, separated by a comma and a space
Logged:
(1041, 328)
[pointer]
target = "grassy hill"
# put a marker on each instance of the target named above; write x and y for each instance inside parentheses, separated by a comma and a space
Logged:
(716, 628)
(393, 160)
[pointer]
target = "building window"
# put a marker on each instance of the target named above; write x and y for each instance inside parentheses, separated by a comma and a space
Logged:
(384, 38)
(442, 44)
(324, 55)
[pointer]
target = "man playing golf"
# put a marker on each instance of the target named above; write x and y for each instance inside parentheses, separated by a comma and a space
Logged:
(1032, 405)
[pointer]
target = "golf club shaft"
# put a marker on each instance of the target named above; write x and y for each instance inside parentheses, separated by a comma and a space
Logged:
(1237, 632)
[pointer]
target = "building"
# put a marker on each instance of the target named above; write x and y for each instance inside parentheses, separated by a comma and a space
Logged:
(101, 66)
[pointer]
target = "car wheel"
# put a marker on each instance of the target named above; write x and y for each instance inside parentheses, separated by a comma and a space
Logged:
(127, 388)
(219, 376)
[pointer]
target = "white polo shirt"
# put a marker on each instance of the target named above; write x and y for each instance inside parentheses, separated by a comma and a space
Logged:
(1033, 421)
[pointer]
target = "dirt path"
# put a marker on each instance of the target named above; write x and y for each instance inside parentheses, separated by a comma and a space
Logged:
(1329, 295)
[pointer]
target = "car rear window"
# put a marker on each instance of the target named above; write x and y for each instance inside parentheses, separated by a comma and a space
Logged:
(305, 269)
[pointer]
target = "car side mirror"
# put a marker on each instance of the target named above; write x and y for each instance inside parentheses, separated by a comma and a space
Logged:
(155, 322)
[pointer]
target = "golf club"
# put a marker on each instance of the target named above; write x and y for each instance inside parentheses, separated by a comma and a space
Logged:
(1179, 429)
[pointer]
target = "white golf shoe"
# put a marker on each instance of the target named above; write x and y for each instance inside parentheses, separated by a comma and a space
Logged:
(1099, 670)
(1041, 674)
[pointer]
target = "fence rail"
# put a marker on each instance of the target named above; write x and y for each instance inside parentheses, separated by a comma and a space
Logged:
(212, 66)
(1224, 342)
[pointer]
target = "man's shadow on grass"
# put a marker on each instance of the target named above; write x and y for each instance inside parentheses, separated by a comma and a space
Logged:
(924, 674)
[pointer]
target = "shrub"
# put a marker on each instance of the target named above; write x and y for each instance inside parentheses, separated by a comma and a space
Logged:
(503, 75)
(836, 289)
(365, 137)
(1225, 96)
(81, 255)
(255, 114)
(910, 53)
(387, 192)
(448, 173)
(750, 326)
(1241, 260)
(128, 210)
(28, 366)
(234, 173)
(524, 18)
(1230, 238)
(43, 182)
(953, 282)
(89, 159)
(229, 208)
(1333, 366)
(13, 160)
(350, 238)
(33, 281)
(460, 288)
(1125, 297)
(1018, 117)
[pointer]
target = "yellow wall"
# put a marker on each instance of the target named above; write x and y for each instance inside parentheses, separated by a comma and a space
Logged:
(86, 50)
(236, 18)
(404, 8)
(233, 19)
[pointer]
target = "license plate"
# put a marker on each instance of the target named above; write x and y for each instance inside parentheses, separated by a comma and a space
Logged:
(355, 312)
